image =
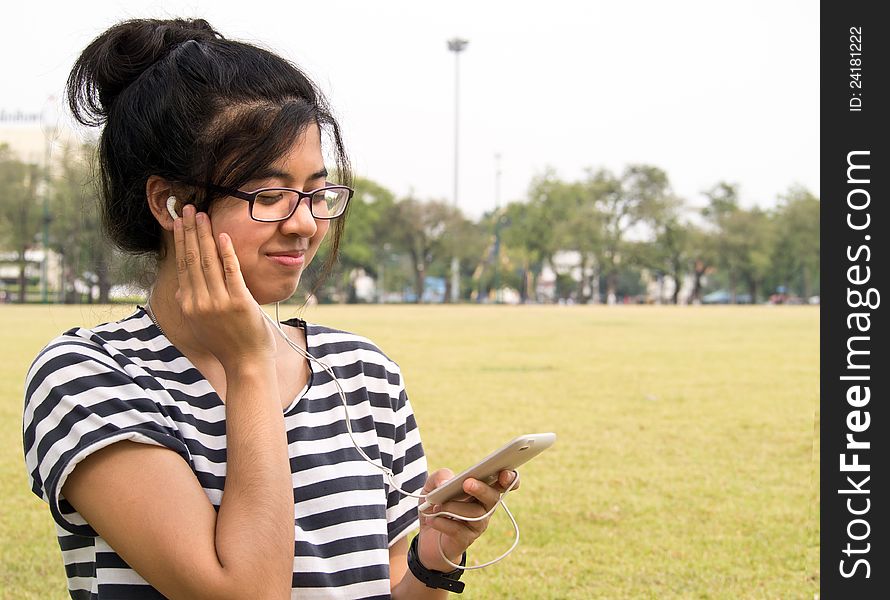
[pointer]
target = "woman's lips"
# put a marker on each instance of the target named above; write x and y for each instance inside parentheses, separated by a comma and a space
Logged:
(290, 259)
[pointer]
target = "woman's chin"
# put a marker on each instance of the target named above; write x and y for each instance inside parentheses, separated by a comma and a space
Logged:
(266, 294)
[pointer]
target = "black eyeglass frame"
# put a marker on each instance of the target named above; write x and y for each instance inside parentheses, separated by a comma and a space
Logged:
(251, 198)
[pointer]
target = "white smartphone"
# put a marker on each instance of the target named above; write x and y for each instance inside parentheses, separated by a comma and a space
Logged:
(517, 452)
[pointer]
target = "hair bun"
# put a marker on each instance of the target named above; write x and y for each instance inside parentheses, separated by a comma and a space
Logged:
(120, 55)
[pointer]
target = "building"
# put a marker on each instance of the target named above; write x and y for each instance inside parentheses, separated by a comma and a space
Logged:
(566, 262)
(10, 270)
(35, 137)
(660, 288)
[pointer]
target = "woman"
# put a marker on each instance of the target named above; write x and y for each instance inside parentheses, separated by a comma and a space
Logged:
(187, 451)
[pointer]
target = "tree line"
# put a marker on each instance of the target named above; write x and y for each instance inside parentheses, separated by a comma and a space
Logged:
(617, 229)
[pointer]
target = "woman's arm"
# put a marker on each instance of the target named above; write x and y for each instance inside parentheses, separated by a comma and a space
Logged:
(402, 581)
(146, 502)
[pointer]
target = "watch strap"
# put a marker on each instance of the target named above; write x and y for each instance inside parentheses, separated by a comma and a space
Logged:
(435, 579)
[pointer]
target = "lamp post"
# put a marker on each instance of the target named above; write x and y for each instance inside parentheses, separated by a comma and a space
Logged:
(456, 45)
(381, 294)
(497, 227)
(48, 123)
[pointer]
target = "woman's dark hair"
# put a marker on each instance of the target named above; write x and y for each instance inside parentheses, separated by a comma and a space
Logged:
(180, 101)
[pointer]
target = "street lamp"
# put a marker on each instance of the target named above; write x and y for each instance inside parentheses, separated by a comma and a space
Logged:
(497, 227)
(49, 124)
(456, 45)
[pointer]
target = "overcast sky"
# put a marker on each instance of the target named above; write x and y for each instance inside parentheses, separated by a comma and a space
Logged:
(707, 91)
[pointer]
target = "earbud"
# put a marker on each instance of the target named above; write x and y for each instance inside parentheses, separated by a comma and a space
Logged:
(171, 207)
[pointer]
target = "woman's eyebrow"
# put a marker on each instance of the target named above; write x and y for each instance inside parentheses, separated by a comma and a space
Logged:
(272, 172)
(269, 173)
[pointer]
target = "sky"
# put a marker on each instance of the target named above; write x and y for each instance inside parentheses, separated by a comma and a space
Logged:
(706, 91)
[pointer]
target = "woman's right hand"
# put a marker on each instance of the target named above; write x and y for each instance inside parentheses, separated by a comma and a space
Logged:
(215, 302)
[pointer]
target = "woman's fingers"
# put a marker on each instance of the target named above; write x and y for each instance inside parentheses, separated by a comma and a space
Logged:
(234, 281)
(436, 479)
(205, 271)
(209, 257)
(192, 255)
(182, 275)
(505, 478)
(460, 532)
(485, 495)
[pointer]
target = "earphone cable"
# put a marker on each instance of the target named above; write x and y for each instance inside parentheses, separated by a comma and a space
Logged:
(276, 324)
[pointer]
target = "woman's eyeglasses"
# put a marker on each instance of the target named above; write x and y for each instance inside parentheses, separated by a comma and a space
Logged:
(269, 205)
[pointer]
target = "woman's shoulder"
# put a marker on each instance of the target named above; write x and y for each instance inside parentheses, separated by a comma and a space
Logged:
(336, 346)
(104, 343)
(326, 340)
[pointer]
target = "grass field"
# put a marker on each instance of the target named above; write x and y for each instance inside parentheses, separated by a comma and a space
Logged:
(686, 464)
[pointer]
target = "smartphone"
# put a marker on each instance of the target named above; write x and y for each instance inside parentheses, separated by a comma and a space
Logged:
(517, 452)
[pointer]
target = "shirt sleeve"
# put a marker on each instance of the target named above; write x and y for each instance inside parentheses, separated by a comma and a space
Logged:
(409, 468)
(79, 399)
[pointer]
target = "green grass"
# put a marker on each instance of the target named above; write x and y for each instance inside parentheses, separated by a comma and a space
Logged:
(686, 464)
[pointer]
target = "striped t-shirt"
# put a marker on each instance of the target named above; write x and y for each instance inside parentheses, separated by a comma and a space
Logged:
(125, 381)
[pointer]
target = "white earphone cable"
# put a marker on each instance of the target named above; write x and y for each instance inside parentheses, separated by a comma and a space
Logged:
(276, 324)
(485, 516)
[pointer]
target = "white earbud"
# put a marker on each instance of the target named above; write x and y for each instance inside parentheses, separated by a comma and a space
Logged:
(171, 207)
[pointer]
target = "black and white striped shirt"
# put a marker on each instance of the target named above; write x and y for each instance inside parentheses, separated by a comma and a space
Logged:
(124, 381)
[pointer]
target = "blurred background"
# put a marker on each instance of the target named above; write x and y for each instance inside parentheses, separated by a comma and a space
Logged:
(640, 152)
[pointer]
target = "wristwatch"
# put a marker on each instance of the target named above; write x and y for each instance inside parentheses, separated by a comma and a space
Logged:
(435, 579)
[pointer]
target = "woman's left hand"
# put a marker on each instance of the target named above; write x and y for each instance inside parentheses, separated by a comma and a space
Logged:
(457, 535)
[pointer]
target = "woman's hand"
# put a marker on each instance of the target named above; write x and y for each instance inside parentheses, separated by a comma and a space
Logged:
(215, 301)
(457, 535)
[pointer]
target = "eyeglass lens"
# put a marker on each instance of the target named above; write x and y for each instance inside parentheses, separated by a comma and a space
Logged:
(279, 204)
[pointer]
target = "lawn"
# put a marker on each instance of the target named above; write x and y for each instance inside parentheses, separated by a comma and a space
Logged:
(686, 464)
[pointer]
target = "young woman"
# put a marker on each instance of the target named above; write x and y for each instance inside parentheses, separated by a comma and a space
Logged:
(187, 451)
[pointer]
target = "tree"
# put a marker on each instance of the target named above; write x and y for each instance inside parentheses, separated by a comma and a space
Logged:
(642, 193)
(669, 249)
(796, 254)
(701, 246)
(745, 238)
(76, 228)
(751, 236)
(578, 226)
(529, 239)
(418, 229)
(670, 252)
(466, 241)
(20, 218)
(723, 203)
(362, 243)
(363, 239)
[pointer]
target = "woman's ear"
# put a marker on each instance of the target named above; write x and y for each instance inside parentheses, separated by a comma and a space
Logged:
(158, 192)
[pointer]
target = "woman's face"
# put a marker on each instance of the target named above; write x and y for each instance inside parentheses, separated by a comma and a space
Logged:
(274, 255)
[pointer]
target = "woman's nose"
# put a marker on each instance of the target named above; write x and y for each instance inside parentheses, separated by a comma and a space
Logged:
(301, 223)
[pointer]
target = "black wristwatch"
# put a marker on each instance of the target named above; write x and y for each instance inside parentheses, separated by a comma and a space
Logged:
(435, 579)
